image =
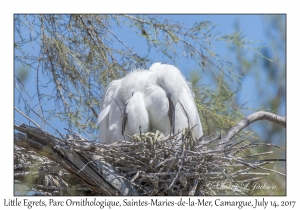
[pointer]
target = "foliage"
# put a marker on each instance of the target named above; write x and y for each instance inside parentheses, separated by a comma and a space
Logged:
(269, 87)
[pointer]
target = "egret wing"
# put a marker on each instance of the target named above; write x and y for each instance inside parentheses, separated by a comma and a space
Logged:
(103, 113)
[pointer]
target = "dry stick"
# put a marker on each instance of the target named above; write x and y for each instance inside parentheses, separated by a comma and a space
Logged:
(248, 145)
(269, 144)
(135, 177)
(163, 162)
(249, 180)
(222, 142)
(182, 160)
(140, 128)
(239, 142)
(192, 191)
(26, 117)
(62, 136)
(134, 159)
(170, 137)
(273, 160)
(188, 120)
(261, 115)
(83, 139)
(85, 165)
(247, 169)
(185, 114)
(271, 170)
(243, 134)
(212, 140)
(259, 154)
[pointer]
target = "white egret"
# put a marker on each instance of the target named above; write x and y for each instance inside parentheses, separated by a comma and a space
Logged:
(135, 81)
(136, 116)
(157, 105)
(151, 100)
(172, 81)
(187, 114)
(123, 109)
(132, 92)
(111, 115)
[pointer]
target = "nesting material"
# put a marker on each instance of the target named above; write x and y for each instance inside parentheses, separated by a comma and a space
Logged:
(43, 176)
(148, 164)
(182, 165)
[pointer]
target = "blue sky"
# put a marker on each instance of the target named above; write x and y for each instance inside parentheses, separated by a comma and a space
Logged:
(250, 26)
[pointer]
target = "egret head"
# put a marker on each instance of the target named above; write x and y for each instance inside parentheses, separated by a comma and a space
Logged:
(135, 81)
(169, 78)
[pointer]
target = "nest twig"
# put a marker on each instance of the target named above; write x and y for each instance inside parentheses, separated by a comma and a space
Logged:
(184, 166)
(43, 175)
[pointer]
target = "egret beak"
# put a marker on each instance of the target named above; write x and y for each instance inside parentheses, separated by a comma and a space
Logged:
(171, 113)
(124, 121)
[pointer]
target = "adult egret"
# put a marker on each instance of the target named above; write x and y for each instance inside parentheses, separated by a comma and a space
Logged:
(135, 81)
(158, 99)
(136, 116)
(172, 81)
(123, 109)
(111, 115)
(187, 114)
(158, 106)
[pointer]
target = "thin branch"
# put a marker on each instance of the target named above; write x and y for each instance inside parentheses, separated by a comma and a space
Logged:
(62, 136)
(261, 115)
(27, 117)
(188, 121)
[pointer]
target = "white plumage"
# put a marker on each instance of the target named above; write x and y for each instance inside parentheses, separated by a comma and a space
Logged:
(148, 99)
(110, 117)
(137, 115)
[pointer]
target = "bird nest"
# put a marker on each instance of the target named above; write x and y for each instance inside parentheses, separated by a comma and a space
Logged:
(173, 165)
(153, 163)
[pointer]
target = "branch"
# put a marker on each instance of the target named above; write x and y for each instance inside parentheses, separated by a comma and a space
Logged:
(26, 117)
(88, 167)
(261, 115)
